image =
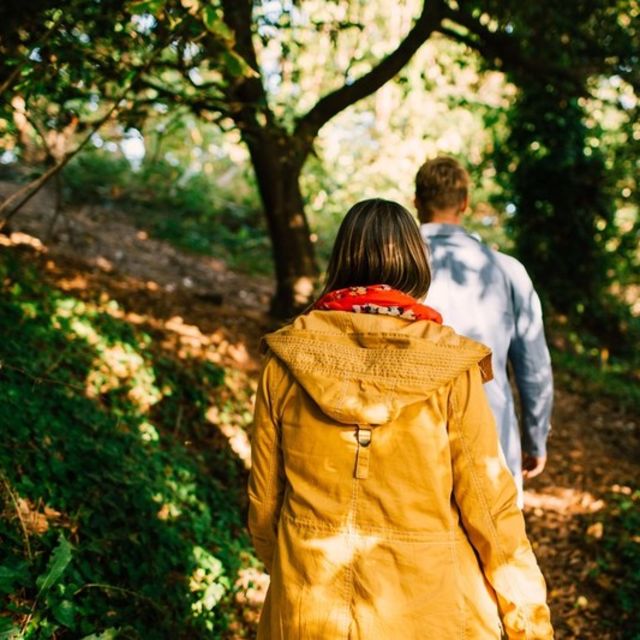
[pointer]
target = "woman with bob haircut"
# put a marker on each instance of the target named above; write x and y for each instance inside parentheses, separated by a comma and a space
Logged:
(380, 502)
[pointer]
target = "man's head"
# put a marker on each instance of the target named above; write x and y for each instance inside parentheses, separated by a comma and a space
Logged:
(442, 190)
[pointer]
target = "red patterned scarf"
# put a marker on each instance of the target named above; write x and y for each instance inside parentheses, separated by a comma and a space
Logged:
(378, 299)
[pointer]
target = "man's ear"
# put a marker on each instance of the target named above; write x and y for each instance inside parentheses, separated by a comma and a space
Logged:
(464, 205)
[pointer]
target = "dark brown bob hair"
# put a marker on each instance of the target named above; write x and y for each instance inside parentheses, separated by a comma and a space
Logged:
(379, 243)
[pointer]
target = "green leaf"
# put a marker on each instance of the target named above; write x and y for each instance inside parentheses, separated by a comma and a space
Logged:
(234, 63)
(64, 612)
(60, 558)
(107, 634)
(211, 17)
(10, 575)
(8, 630)
(140, 7)
(213, 21)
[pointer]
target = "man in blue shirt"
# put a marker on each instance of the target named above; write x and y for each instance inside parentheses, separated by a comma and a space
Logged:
(488, 296)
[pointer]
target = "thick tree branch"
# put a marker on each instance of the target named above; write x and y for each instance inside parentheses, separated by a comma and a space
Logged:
(331, 104)
(246, 91)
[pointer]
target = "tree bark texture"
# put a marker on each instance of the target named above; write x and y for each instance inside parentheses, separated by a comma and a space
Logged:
(278, 156)
(278, 178)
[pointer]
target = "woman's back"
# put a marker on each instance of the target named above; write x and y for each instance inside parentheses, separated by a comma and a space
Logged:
(376, 454)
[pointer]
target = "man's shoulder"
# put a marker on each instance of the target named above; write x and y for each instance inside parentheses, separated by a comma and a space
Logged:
(513, 269)
(446, 234)
(436, 233)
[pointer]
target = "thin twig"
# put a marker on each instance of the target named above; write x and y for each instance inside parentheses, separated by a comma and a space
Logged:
(178, 420)
(40, 379)
(22, 196)
(128, 592)
(25, 532)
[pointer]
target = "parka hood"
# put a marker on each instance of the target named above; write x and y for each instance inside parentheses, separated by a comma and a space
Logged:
(364, 369)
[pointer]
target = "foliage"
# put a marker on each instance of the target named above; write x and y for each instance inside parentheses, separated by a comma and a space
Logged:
(194, 210)
(443, 102)
(121, 512)
(202, 195)
(593, 362)
(278, 73)
(585, 372)
(558, 184)
(564, 163)
(618, 558)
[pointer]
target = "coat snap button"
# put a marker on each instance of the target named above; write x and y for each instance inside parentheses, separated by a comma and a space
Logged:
(364, 437)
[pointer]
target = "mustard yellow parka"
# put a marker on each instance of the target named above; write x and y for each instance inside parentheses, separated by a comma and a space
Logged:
(380, 502)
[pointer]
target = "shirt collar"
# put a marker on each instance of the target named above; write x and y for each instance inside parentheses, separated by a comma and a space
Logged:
(432, 229)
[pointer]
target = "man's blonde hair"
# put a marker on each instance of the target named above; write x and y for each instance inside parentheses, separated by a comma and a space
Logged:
(441, 183)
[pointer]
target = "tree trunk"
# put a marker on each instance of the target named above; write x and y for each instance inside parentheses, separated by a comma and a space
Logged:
(278, 169)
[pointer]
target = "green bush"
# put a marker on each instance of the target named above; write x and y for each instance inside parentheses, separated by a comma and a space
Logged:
(95, 177)
(618, 560)
(192, 212)
(586, 365)
(141, 530)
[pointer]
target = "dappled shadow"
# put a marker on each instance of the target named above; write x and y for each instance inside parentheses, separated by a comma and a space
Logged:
(474, 283)
(571, 515)
(592, 450)
(187, 321)
(487, 296)
(105, 442)
(191, 325)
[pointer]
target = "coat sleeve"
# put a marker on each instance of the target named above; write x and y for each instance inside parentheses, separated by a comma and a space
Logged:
(485, 492)
(529, 356)
(266, 479)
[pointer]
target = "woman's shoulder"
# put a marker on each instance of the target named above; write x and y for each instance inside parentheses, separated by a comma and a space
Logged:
(459, 347)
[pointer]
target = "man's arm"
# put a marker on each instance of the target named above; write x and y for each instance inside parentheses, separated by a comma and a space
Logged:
(529, 357)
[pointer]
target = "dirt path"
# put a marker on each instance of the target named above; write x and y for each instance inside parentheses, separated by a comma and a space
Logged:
(593, 451)
(593, 454)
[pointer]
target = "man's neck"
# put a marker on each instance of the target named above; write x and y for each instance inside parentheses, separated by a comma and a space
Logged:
(446, 216)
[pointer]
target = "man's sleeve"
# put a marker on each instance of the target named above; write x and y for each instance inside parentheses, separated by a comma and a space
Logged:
(529, 357)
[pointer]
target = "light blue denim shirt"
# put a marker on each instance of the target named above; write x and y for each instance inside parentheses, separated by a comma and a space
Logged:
(488, 296)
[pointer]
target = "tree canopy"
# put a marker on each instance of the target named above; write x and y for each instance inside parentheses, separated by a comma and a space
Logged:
(279, 71)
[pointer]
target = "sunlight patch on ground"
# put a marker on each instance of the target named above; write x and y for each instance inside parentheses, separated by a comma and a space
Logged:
(77, 282)
(251, 590)
(18, 238)
(116, 365)
(36, 517)
(235, 434)
(102, 263)
(214, 347)
(562, 500)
